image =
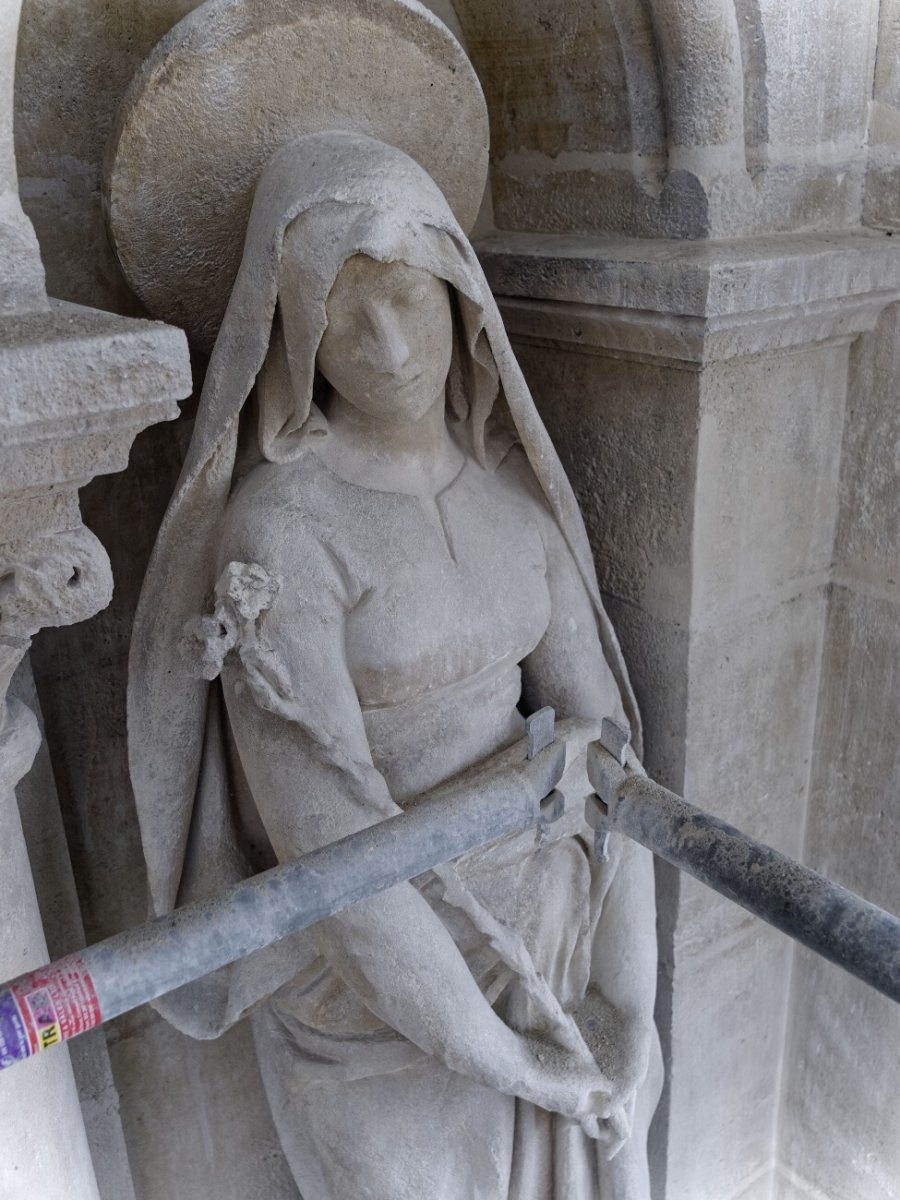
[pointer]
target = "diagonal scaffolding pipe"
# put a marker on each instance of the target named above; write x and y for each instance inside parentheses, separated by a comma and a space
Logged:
(820, 914)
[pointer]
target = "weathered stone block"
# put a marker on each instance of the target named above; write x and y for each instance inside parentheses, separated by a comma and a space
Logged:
(768, 458)
(625, 432)
(751, 714)
(854, 835)
(844, 1038)
(726, 1038)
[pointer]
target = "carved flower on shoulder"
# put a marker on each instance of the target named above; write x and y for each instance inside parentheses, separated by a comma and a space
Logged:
(243, 592)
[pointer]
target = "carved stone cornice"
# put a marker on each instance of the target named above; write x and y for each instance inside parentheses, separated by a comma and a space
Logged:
(77, 386)
(690, 303)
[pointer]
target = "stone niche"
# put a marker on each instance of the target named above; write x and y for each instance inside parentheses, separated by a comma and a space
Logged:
(687, 229)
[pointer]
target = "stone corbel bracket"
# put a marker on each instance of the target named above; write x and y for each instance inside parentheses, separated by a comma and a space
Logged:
(53, 578)
(690, 304)
(77, 386)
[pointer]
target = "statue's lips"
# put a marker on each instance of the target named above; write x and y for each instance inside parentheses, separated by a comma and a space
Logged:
(401, 381)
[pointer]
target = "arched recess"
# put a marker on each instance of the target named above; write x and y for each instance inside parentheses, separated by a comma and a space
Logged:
(618, 116)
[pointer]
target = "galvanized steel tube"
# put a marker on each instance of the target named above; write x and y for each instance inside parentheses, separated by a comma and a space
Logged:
(506, 795)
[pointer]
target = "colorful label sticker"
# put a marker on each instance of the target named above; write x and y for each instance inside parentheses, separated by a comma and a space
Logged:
(44, 1007)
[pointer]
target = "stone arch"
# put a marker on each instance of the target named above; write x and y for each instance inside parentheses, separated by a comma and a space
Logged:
(638, 107)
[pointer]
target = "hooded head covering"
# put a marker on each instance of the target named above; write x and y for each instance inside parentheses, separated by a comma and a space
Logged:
(329, 196)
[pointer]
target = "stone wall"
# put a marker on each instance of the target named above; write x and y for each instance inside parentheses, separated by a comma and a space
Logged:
(839, 1134)
(841, 1034)
(678, 118)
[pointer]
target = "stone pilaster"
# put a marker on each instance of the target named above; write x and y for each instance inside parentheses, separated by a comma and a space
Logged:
(48, 578)
(697, 394)
(76, 386)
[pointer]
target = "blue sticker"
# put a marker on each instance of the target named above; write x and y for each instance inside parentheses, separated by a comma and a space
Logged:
(14, 1040)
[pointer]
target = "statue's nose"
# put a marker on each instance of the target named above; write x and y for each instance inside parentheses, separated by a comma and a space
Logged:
(390, 346)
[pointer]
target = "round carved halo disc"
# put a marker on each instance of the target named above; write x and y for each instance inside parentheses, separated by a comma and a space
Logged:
(234, 81)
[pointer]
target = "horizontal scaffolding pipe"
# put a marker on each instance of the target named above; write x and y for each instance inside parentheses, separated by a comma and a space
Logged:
(511, 792)
(825, 917)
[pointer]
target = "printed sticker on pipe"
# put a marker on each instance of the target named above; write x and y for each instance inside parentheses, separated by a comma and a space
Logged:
(44, 1007)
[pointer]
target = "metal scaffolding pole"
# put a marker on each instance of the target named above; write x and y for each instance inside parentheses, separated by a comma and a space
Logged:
(827, 918)
(511, 792)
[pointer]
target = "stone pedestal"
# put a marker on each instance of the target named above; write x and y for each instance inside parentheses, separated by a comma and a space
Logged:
(697, 394)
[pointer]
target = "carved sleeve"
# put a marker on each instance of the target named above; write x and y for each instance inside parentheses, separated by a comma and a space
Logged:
(275, 633)
(568, 669)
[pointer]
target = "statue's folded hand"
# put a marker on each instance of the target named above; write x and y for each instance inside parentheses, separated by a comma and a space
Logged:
(574, 1087)
(565, 1081)
(620, 1043)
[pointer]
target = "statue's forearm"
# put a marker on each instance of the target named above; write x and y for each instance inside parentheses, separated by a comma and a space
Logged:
(399, 957)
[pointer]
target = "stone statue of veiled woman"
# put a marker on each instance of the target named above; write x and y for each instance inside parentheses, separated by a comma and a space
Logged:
(373, 563)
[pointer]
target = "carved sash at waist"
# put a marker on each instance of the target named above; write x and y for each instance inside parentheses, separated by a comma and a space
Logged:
(424, 741)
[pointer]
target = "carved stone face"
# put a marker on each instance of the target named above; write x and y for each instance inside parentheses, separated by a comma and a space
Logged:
(389, 339)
